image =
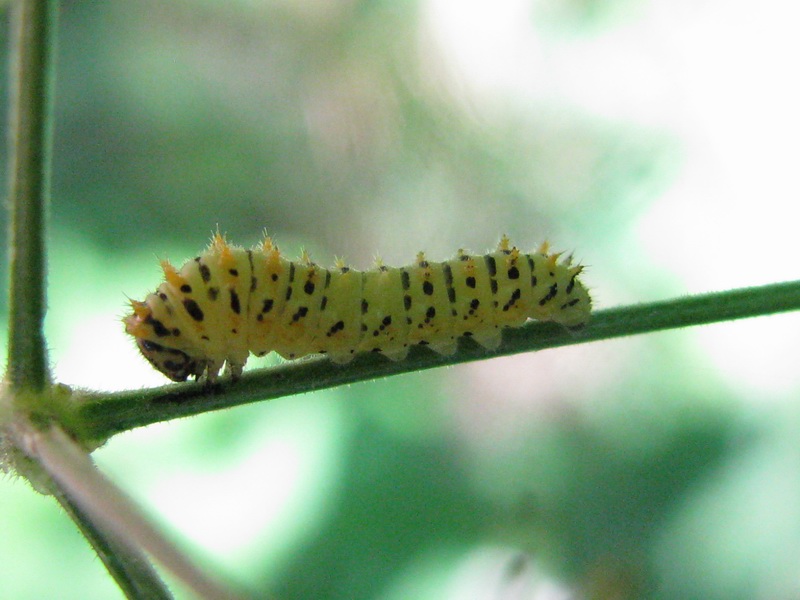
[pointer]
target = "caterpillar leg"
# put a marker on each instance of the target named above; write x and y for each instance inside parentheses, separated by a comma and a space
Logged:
(212, 371)
(445, 348)
(488, 339)
(235, 369)
(396, 355)
(341, 358)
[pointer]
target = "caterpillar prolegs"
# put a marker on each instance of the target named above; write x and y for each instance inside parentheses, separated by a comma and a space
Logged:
(229, 301)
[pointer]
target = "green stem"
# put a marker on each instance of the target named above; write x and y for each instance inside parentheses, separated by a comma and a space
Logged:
(103, 415)
(107, 514)
(131, 569)
(33, 23)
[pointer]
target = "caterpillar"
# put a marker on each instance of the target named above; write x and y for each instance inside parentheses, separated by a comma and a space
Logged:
(229, 302)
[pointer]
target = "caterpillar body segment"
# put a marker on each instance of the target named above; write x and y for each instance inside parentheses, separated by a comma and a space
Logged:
(228, 302)
(384, 324)
(340, 321)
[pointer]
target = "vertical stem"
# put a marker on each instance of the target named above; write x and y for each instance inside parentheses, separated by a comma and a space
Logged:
(33, 24)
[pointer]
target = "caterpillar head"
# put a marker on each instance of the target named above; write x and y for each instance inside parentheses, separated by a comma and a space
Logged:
(175, 364)
(574, 311)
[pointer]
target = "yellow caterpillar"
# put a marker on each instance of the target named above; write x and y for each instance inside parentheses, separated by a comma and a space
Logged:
(229, 301)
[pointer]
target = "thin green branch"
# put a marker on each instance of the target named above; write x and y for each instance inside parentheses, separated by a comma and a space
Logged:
(103, 415)
(33, 23)
(131, 569)
(101, 503)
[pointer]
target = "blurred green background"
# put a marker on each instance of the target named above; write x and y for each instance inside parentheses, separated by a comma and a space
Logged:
(657, 140)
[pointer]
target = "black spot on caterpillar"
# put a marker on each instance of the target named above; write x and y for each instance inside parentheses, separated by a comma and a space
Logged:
(187, 327)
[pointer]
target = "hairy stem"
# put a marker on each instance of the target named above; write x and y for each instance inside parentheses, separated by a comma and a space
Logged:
(33, 24)
(109, 510)
(130, 568)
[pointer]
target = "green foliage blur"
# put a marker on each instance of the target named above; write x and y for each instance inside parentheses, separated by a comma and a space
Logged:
(657, 467)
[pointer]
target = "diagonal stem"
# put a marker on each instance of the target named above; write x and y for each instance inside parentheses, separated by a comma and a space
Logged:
(103, 415)
(131, 569)
(107, 511)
